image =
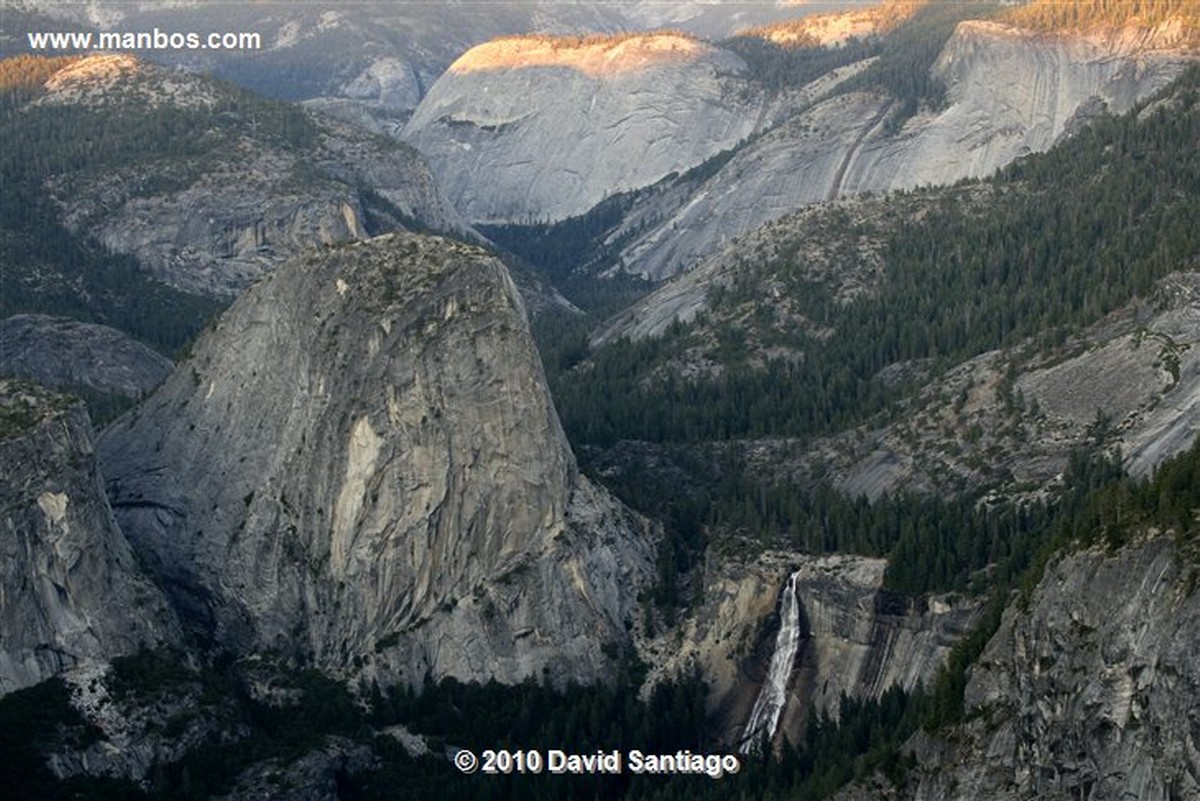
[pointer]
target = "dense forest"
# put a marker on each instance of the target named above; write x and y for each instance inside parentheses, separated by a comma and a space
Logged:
(788, 66)
(907, 55)
(1062, 239)
(1104, 509)
(48, 269)
(1025, 259)
(450, 715)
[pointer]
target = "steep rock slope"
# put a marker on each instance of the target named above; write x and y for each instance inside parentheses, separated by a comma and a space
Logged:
(206, 186)
(1009, 93)
(379, 58)
(1089, 692)
(64, 353)
(1009, 408)
(535, 128)
(361, 465)
(1132, 379)
(71, 588)
(856, 638)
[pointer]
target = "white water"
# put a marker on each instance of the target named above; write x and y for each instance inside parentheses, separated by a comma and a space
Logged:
(764, 718)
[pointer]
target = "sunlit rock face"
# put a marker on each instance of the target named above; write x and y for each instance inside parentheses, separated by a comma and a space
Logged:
(1009, 93)
(361, 468)
(537, 128)
(70, 588)
(836, 28)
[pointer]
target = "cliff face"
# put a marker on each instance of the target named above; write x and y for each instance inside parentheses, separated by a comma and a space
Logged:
(1089, 692)
(70, 586)
(856, 638)
(361, 465)
(215, 216)
(1009, 93)
(64, 353)
(535, 129)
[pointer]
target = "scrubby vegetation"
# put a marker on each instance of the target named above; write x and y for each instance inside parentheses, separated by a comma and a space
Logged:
(449, 715)
(1055, 15)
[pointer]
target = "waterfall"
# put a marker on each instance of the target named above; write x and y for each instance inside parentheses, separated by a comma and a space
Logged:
(764, 718)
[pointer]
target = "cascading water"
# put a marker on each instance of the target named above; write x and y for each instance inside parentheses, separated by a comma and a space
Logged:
(772, 697)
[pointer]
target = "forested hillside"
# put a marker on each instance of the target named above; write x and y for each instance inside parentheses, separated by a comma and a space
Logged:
(919, 401)
(50, 269)
(45, 267)
(145, 199)
(1089, 15)
(800, 341)
(1044, 248)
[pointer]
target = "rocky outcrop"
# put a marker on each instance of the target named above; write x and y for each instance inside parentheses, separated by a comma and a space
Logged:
(536, 128)
(213, 220)
(361, 466)
(135, 728)
(67, 354)
(315, 776)
(835, 29)
(1088, 690)
(1132, 379)
(858, 638)
(1009, 93)
(71, 587)
(1006, 419)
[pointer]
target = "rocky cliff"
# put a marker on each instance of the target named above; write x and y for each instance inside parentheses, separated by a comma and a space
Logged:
(1009, 93)
(63, 353)
(536, 128)
(1088, 690)
(72, 590)
(361, 466)
(857, 638)
(230, 186)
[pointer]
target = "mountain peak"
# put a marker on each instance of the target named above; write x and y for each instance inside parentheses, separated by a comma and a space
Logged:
(106, 78)
(100, 70)
(836, 28)
(595, 56)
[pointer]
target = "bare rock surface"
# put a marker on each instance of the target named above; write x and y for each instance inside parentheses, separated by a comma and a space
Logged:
(857, 638)
(362, 466)
(1089, 690)
(215, 222)
(64, 353)
(1010, 92)
(71, 587)
(535, 128)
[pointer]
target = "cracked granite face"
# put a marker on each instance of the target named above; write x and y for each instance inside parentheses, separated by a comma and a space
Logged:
(361, 467)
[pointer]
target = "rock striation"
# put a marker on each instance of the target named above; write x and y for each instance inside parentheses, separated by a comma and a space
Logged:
(361, 468)
(857, 638)
(1010, 92)
(1088, 690)
(66, 354)
(71, 587)
(537, 128)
